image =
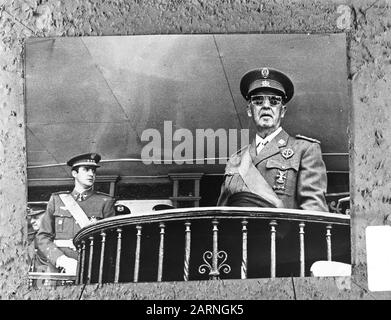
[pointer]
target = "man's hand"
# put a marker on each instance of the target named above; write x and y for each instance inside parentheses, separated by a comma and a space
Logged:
(69, 264)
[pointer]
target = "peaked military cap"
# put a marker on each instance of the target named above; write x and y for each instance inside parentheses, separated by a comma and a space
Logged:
(262, 79)
(86, 159)
(32, 213)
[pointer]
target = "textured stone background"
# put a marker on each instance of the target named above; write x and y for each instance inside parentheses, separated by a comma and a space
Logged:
(369, 68)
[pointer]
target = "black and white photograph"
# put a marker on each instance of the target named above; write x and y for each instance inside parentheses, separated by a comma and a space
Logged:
(155, 158)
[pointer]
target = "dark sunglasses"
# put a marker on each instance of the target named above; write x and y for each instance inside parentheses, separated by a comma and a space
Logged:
(259, 100)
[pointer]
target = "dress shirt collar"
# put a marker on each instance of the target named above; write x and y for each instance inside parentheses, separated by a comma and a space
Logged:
(261, 142)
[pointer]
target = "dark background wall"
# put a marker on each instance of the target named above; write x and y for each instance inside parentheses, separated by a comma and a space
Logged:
(367, 25)
(105, 89)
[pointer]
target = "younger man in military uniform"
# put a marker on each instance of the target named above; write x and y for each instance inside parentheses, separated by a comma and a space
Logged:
(67, 212)
(276, 170)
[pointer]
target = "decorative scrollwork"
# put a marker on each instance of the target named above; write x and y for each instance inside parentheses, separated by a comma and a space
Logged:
(333, 207)
(223, 266)
(340, 206)
(208, 255)
(206, 266)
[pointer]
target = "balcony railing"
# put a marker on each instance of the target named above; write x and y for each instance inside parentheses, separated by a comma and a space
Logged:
(210, 243)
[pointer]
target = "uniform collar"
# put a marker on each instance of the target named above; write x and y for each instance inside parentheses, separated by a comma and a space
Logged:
(81, 196)
(268, 138)
(270, 149)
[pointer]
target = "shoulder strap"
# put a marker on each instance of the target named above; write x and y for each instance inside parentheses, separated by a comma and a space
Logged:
(299, 136)
(73, 207)
(256, 182)
(103, 194)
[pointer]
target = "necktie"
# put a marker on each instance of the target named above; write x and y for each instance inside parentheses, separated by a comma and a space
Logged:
(261, 145)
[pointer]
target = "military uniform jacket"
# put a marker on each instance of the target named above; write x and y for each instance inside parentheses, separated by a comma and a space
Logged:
(59, 224)
(292, 166)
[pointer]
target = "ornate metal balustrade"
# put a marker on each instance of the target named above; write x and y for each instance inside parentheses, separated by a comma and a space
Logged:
(210, 243)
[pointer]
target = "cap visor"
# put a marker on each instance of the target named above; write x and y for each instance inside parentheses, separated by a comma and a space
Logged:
(89, 164)
(263, 90)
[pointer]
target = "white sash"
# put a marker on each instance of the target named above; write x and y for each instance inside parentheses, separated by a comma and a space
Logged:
(65, 244)
(73, 207)
(255, 180)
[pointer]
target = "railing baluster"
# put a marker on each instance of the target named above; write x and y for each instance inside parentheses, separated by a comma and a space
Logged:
(273, 225)
(102, 256)
(137, 253)
(77, 281)
(98, 240)
(214, 274)
(328, 240)
(118, 257)
(161, 252)
(83, 260)
(90, 259)
(244, 250)
(302, 255)
(187, 251)
(214, 255)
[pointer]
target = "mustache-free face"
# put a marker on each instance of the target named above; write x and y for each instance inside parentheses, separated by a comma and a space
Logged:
(85, 176)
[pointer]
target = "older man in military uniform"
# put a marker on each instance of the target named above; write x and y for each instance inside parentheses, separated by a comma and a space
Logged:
(276, 169)
(34, 223)
(68, 212)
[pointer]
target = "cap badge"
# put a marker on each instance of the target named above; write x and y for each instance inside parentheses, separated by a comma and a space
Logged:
(265, 72)
(265, 83)
(281, 141)
(287, 153)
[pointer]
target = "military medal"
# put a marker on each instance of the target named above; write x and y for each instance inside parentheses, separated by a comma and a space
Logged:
(280, 180)
(281, 176)
(287, 153)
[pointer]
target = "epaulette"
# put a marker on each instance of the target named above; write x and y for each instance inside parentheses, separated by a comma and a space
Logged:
(299, 136)
(103, 194)
(61, 192)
